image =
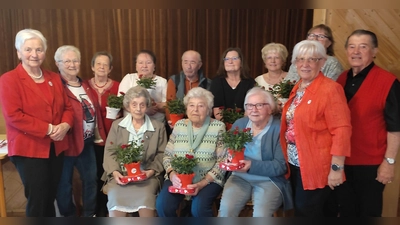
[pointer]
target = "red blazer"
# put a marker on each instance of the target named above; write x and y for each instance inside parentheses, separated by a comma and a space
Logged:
(75, 137)
(322, 129)
(27, 113)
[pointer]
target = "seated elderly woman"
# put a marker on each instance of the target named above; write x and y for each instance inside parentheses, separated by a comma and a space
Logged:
(200, 136)
(262, 179)
(315, 131)
(138, 127)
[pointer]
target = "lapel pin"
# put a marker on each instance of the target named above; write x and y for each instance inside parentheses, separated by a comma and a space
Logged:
(309, 102)
(51, 84)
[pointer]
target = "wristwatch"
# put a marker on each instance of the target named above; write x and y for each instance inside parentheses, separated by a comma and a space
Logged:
(391, 161)
(336, 167)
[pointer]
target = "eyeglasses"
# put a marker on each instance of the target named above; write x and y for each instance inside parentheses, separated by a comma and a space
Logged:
(258, 106)
(309, 60)
(233, 58)
(317, 36)
(68, 62)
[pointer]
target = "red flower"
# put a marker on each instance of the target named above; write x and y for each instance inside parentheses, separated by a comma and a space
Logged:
(124, 146)
(235, 132)
(238, 110)
(222, 107)
(189, 156)
(111, 142)
(122, 93)
(140, 76)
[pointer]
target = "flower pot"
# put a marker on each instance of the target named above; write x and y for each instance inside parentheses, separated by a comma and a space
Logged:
(175, 117)
(228, 126)
(185, 179)
(133, 168)
(150, 90)
(111, 113)
(235, 156)
(283, 101)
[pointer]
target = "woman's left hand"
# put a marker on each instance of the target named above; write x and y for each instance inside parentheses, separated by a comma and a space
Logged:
(197, 187)
(59, 131)
(149, 173)
(247, 165)
(335, 178)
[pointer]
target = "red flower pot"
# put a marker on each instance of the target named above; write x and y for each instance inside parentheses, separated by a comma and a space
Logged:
(228, 126)
(185, 179)
(133, 168)
(175, 117)
(235, 156)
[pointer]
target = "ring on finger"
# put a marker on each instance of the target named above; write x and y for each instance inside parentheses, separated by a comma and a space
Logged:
(337, 185)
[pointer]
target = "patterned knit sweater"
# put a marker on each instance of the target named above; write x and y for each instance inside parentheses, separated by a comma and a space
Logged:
(209, 153)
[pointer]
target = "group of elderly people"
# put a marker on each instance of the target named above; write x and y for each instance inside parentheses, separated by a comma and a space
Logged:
(295, 159)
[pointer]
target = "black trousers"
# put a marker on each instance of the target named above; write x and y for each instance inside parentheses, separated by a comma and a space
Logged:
(40, 178)
(307, 203)
(101, 203)
(361, 194)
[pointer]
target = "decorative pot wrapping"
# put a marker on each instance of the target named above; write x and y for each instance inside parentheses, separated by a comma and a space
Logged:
(175, 117)
(235, 156)
(185, 179)
(133, 168)
(111, 113)
(228, 126)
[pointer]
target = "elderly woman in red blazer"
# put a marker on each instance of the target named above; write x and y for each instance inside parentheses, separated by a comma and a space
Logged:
(38, 115)
(315, 131)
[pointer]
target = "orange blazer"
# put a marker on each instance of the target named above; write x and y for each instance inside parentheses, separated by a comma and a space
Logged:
(322, 129)
(27, 113)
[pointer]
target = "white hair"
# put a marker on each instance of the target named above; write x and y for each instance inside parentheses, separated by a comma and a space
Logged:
(65, 48)
(308, 47)
(199, 92)
(261, 91)
(27, 34)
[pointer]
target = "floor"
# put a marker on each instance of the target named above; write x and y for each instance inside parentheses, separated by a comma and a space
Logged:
(22, 214)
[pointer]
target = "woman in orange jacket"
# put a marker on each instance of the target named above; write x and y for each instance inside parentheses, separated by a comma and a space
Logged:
(315, 131)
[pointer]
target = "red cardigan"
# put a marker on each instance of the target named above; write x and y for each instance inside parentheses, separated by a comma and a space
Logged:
(27, 112)
(102, 99)
(322, 129)
(369, 139)
(75, 137)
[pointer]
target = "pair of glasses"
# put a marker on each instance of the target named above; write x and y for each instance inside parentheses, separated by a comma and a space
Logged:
(317, 36)
(309, 60)
(232, 58)
(258, 106)
(68, 62)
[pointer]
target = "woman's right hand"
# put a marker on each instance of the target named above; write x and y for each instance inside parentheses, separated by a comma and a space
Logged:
(117, 175)
(176, 182)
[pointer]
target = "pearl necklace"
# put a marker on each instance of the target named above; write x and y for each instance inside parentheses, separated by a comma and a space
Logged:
(36, 77)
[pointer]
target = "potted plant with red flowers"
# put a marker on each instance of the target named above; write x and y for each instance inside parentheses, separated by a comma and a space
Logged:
(176, 110)
(183, 166)
(114, 105)
(281, 91)
(229, 116)
(129, 157)
(235, 140)
(147, 82)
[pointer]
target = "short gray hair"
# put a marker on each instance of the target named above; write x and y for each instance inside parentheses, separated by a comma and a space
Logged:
(266, 94)
(136, 92)
(199, 92)
(308, 47)
(65, 48)
(27, 34)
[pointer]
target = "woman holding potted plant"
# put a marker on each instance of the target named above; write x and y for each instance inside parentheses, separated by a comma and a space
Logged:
(198, 136)
(145, 77)
(262, 179)
(140, 132)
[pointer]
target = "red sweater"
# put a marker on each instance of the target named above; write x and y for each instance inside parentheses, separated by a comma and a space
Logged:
(369, 136)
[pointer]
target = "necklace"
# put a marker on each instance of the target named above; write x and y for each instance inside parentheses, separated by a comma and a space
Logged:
(36, 77)
(94, 81)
